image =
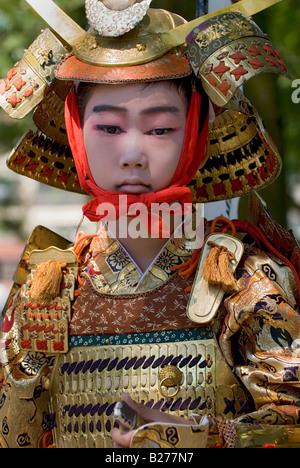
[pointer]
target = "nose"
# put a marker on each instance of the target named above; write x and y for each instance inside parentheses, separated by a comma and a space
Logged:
(133, 153)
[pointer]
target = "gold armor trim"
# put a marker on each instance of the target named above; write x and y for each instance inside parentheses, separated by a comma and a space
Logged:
(88, 381)
(24, 85)
(254, 165)
(168, 31)
(228, 51)
(170, 376)
(246, 7)
(45, 160)
(49, 116)
(73, 34)
(57, 19)
(44, 328)
(40, 239)
(140, 45)
(206, 298)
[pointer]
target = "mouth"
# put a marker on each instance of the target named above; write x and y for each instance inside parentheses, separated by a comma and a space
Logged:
(133, 186)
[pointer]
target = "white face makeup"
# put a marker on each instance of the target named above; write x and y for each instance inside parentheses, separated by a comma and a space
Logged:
(134, 135)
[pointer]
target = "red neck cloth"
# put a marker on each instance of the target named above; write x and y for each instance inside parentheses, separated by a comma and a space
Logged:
(193, 151)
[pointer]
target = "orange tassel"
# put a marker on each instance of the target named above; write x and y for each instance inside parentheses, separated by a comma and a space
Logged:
(211, 272)
(228, 280)
(216, 268)
(46, 281)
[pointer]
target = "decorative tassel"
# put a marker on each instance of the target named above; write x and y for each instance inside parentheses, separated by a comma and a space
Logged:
(46, 282)
(210, 268)
(216, 268)
(228, 280)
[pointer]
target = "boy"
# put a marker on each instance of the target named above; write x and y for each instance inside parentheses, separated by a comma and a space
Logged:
(115, 313)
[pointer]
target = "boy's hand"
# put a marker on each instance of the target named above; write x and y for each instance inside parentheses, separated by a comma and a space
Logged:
(122, 439)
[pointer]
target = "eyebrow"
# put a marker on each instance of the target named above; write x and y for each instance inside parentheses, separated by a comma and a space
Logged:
(108, 107)
(151, 110)
(158, 109)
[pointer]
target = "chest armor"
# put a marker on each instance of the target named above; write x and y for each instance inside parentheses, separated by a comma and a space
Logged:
(160, 358)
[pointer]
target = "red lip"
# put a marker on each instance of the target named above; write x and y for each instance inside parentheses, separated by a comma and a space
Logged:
(133, 182)
(133, 186)
(133, 189)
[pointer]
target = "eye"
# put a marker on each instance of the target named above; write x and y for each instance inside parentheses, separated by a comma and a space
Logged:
(160, 131)
(110, 129)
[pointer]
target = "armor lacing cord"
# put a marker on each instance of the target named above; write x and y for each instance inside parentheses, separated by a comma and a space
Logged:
(82, 241)
(47, 440)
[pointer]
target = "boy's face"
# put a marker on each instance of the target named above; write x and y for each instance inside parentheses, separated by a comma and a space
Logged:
(134, 135)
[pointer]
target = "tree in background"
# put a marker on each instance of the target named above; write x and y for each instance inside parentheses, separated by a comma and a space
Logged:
(19, 27)
(272, 95)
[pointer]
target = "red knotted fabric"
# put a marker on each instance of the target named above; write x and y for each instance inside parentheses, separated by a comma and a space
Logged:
(193, 152)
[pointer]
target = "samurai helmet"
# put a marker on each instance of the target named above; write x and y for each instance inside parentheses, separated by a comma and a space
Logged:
(129, 42)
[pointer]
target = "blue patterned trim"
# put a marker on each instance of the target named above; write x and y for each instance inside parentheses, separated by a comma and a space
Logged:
(168, 336)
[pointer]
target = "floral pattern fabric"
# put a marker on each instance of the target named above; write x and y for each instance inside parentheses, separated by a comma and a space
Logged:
(111, 270)
(259, 337)
(163, 308)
